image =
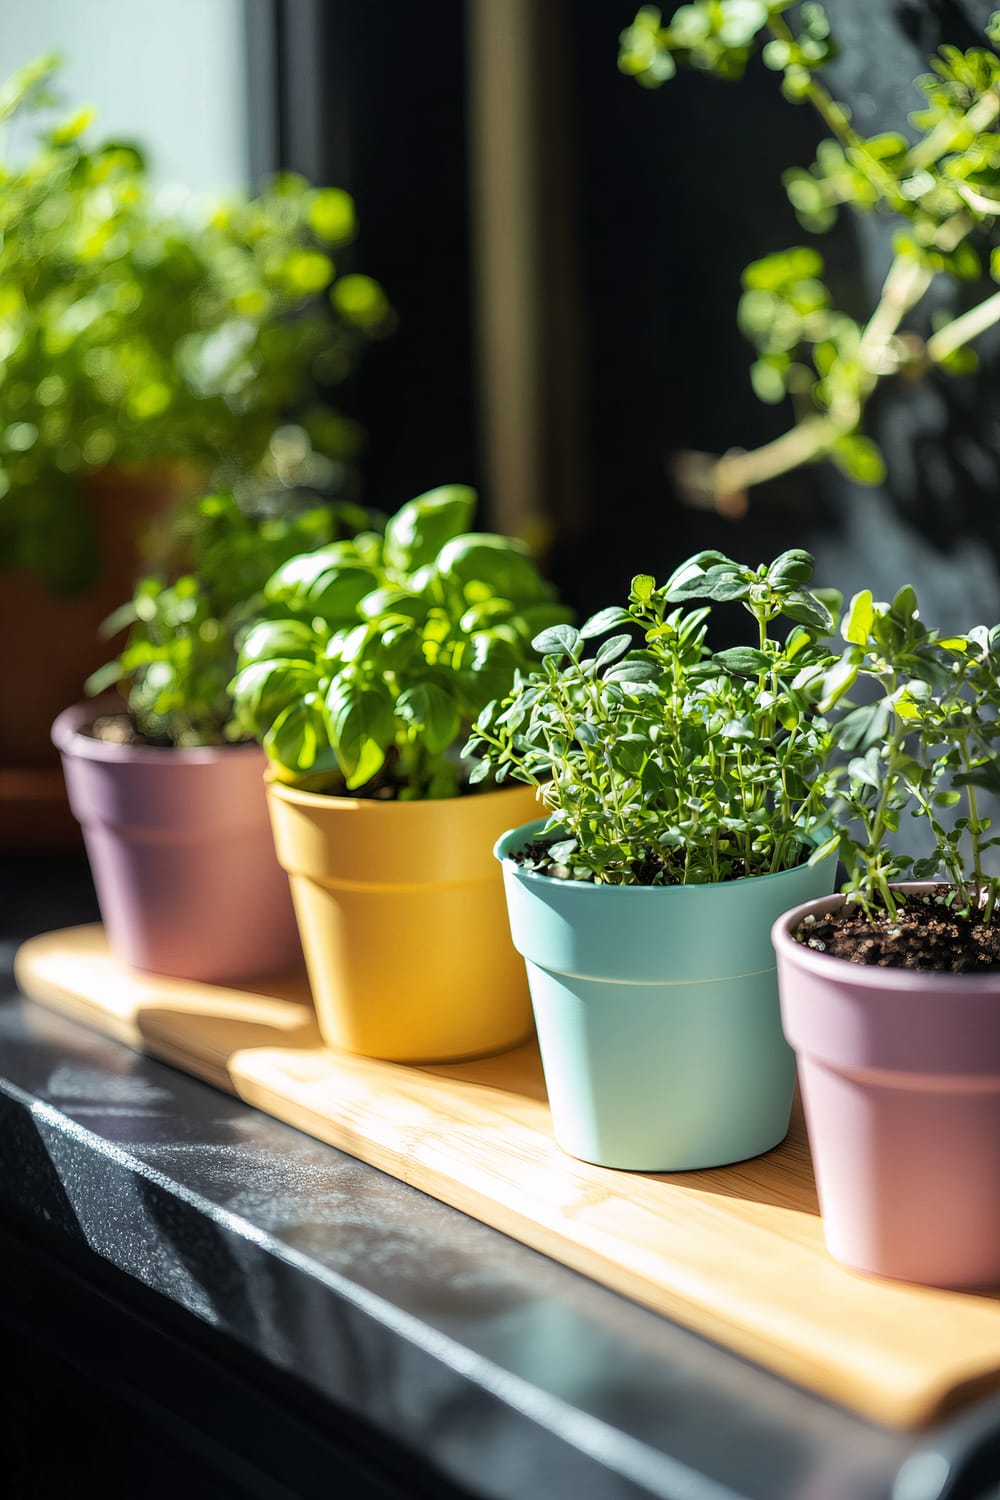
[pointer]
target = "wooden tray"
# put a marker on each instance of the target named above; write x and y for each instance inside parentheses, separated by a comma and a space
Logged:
(736, 1253)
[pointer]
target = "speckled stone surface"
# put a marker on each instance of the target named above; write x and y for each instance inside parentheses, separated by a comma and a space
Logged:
(509, 1374)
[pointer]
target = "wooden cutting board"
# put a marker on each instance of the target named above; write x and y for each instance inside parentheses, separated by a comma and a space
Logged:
(735, 1253)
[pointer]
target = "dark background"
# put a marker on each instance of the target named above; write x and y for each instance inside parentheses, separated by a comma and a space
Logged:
(669, 193)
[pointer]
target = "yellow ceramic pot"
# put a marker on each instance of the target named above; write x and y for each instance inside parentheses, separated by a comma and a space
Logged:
(401, 913)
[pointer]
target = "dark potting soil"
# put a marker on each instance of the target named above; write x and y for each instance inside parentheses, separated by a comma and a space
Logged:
(118, 729)
(653, 869)
(925, 934)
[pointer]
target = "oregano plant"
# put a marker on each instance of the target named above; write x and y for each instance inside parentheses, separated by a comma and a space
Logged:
(938, 184)
(660, 760)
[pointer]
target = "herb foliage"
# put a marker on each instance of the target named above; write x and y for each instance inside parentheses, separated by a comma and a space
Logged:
(666, 762)
(940, 185)
(927, 742)
(135, 335)
(181, 648)
(377, 653)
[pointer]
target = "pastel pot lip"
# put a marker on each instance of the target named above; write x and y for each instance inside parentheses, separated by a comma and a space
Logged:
(863, 976)
(68, 739)
(296, 797)
(549, 882)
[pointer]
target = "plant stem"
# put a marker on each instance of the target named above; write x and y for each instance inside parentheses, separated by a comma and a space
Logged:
(810, 440)
(943, 137)
(963, 329)
(905, 283)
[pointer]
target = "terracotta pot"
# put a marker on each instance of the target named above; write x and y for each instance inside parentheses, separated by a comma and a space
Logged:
(401, 913)
(900, 1077)
(58, 647)
(181, 854)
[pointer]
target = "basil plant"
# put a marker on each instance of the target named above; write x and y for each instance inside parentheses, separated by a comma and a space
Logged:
(376, 654)
(661, 760)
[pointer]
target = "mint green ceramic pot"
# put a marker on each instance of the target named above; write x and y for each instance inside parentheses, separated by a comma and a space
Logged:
(657, 1012)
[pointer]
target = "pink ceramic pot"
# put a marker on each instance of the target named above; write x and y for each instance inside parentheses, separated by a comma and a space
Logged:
(181, 853)
(900, 1079)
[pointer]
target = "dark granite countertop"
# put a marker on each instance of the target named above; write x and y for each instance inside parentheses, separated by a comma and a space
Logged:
(470, 1360)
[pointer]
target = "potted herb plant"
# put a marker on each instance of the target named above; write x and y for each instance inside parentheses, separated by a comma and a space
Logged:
(147, 353)
(170, 801)
(686, 791)
(890, 992)
(379, 654)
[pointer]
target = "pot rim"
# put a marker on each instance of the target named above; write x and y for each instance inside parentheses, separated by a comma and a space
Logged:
(68, 738)
(299, 798)
(876, 977)
(535, 877)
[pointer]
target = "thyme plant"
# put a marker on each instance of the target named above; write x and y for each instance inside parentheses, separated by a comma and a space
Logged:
(665, 762)
(927, 742)
(940, 187)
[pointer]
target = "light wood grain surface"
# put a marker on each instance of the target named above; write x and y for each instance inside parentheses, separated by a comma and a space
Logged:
(735, 1253)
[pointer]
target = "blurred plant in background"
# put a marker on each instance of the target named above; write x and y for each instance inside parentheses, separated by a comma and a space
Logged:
(185, 629)
(941, 188)
(132, 335)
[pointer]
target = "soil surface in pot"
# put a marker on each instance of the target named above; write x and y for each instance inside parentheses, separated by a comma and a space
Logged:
(925, 934)
(118, 729)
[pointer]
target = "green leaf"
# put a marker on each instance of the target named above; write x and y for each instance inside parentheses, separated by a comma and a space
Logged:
(558, 640)
(986, 776)
(611, 649)
(263, 689)
(774, 272)
(387, 602)
(361, 727)
(857, 623)
(428, 709)
(331, 581)
(859, 458)
(792, 567)
(632, 672)
(419, 529)
(743, 661)
(270, 639)
(297, 740)
(720, 583)
(604, 620)
(904, 607)
(331, 215)
(740, 21)
(483, 564)
(806, 609)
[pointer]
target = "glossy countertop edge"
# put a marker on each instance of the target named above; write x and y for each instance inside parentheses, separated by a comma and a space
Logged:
(509, 1372)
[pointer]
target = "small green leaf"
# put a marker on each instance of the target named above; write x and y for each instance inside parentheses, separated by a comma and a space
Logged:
(859, 458)
(557, 640)
(857, 623)
(792, 567)
(743, 661)
(604, 620)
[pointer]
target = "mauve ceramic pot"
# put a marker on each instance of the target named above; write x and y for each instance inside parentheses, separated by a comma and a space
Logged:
(900, 1078)
(180, 849)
